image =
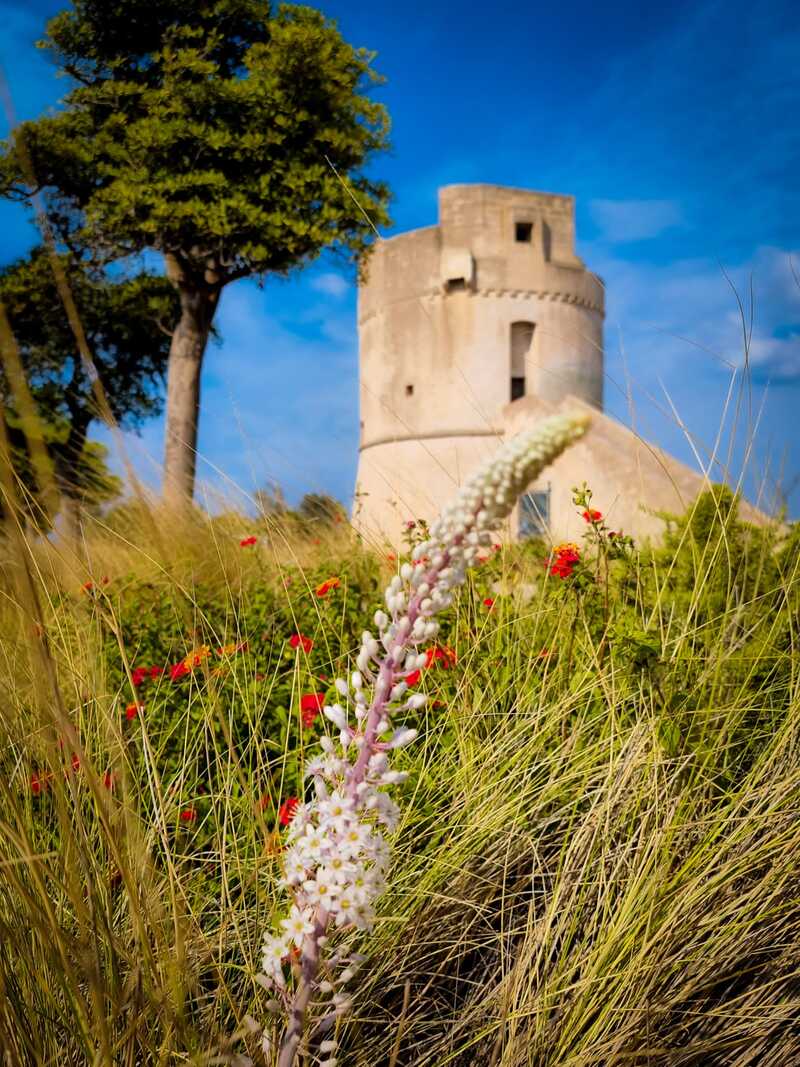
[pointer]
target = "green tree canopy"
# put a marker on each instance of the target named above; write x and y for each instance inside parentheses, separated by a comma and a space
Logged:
(126, 325)
(223, 135)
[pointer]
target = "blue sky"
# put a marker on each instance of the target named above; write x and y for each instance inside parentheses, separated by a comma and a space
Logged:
(675, 127)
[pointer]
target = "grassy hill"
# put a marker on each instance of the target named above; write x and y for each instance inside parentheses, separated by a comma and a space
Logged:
(598, 857)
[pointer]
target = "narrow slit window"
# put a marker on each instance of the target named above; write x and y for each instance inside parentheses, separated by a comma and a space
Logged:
(523, 232)
(409, 390)
(521, 345)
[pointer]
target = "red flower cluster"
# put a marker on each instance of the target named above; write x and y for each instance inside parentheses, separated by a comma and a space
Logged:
(140, 674)
(39, 782)
(287, 810)
(440, 654)
(178, 670)
(592, 515)
(299, 641)
(310, 706)
(325, 587)
(564, 559)
(87, 587)
(132, 711)
(188, 815)
(246, 542)
(436, 654)
(489, 602)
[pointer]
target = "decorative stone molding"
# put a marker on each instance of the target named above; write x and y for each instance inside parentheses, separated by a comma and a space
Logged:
(541, 294)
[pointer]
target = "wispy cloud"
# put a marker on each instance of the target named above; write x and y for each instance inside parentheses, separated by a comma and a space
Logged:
(634, 220)
(330, 284)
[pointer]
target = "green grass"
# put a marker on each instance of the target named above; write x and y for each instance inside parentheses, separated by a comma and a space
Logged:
(598, 859)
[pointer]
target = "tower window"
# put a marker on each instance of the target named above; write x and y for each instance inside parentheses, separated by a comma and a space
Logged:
(534, 513)
(409, 390)
(523, 231)
(521, 344)
(456, 283)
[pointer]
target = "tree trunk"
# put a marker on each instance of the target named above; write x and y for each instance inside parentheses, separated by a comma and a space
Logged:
(198, 305)
(69, 480)
(72, 524)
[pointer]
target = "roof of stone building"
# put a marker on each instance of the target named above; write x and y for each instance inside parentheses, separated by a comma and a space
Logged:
(631, 477)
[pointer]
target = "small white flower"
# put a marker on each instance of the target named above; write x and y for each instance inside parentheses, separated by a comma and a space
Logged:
(336, 811)
(295, 866)
(272, 955)
(297, 926)
(353, 839)
(339, 868)
(321, 889)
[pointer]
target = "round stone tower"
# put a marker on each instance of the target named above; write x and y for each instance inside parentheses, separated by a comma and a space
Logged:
(457, 322)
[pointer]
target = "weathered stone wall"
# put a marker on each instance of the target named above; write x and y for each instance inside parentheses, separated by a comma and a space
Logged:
(435, 318)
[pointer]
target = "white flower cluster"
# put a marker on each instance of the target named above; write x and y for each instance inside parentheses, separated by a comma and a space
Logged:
(336, 861)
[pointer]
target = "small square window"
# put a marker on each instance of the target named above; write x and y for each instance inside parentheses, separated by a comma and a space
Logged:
(409, 390)
(523, 231)
(456, 283)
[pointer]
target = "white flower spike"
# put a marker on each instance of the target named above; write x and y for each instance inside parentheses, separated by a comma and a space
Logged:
(338, 860)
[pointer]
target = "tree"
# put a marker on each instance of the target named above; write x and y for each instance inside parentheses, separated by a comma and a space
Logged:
(91, 483)
(124, 321)
(225, 136)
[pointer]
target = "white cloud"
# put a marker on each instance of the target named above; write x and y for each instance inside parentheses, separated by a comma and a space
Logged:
(691, 308)
(634, 220)
(331, 285)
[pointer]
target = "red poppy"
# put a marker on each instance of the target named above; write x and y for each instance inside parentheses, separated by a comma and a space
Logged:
(287, 810)
(391, 557)
(592, 515)
(497, 547)
(138, 675)
(488, 603)
(156, 672)
(325, 587)
(564, 559)
(413, 678)
(105, 580)
(108, 780)
(178, 671)
(247, 541)
(299, 641)
(38, 783)
(188, 815)
(132, 711)
(442, 654)
(87, 587)
(310, 707)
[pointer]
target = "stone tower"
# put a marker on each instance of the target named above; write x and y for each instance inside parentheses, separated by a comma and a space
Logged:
(456, 322)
